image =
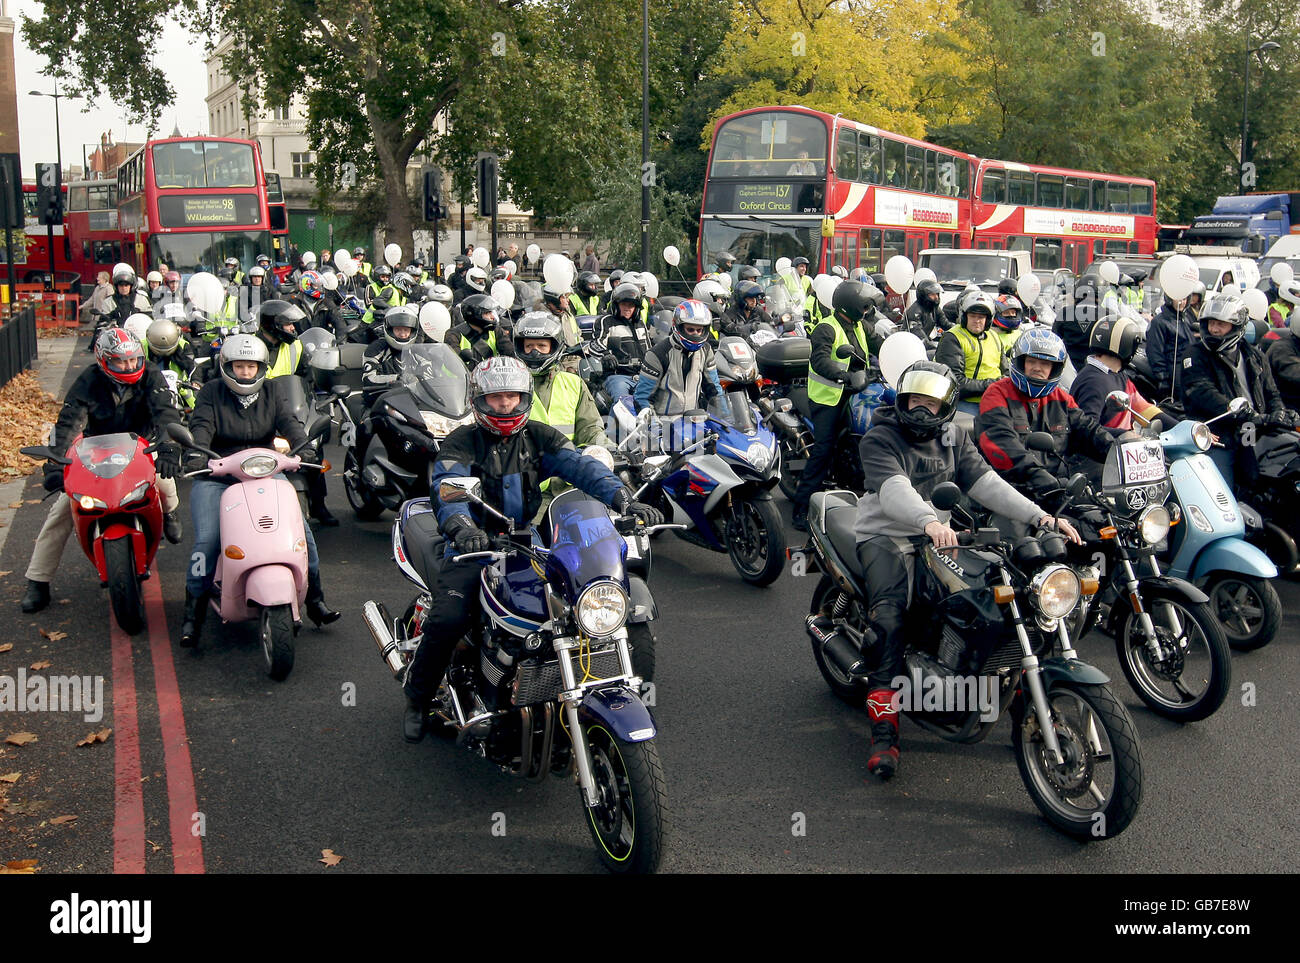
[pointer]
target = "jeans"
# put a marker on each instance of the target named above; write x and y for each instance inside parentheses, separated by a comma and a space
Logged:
(619, 385)
(205, 511)
(453, 613)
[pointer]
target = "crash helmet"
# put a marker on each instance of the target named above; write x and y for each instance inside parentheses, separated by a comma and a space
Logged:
(476, 279)
(1223, 307)
(800, 262)
(535, 325)
(153, 277)
(1008, 312)
(929, 293)
(748, 273)
(312, 284)
(243, 347)
(280, 321)
(1118, 336)
(172, 277)
(163, 337)
(497, 374)
(119, 355)
(724, 261)
(1007, 286)
(438, 292)
(933, 380)
(123, 275)
(854, 301)
(624, 293)
(838, 270)
(401, 316)
(744, 291)
(693, 312)
(256, 272)
(588, 284)
(1037, 343)
(404, 283)
(479, 310)
(383, 273)
(263, 260)
(980, 303)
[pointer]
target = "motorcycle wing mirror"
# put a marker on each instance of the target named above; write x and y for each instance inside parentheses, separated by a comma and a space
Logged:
(1077, 485)
(178, 432)
(45, 452)
(340, 391)
(1041, 441)
(1237, 404)
(945, 496)
(1120, 398)
(459, 489)
(320, 424)
(843, 352)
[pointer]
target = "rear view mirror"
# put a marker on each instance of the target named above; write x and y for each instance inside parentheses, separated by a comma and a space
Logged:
(459, 489)
(1120, 398)
(178, 432)
(945, 496)
(1041, 441)
(1237, 404)
(1077, 485)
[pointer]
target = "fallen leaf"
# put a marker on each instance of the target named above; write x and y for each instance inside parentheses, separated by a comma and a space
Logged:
(65, 601)
(21, 738)
(3, 574)
(33, 501)
(99, 735)
(19, 867)
(43, 664)
(15, 504)
(53, 636)
(329, 857)
(6, 647)
(11, 777)
(60, 820)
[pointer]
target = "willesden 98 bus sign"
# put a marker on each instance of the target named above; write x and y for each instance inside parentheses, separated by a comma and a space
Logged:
(195, 210)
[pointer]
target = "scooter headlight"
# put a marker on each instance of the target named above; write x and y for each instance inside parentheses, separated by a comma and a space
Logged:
(1201, 436)
(1055, 591)
(258, 466)
(1154, 524)
(601, 609)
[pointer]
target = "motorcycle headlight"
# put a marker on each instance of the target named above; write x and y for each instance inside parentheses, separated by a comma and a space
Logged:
(758, 455)
(88, 503)
(258, 466)
(1055, 591)
(601, 609)
(1201, 436)
(440, 426)
(136, 494)
(1153, 523)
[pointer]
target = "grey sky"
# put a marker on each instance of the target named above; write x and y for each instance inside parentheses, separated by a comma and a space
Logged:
(180, 56)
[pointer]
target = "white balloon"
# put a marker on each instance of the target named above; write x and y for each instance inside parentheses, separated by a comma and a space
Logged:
(137, 326)
(1108, 271)
(1178, 276)
(533, 252)
(1028, 288)
(480, 257)
(651, 285)
(672, 256)
(922, 275)
(206, 292)
(1256, 303)
(899, 273)
(435, 320)
(349, 268)
(503, 293)
(341, 257)
(899, 351)
(558, 271)
(782, 263)
(393, 255)
(329, 280)
(824, 286)
(1282, 273)
(511, 268)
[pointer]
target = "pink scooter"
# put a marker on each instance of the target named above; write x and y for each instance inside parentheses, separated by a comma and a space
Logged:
(261, 569)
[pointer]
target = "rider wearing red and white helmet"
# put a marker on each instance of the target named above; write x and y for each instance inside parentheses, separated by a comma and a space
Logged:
(679, 373)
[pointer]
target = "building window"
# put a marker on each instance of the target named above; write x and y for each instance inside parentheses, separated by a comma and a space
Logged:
(280, 113)
(302, 163)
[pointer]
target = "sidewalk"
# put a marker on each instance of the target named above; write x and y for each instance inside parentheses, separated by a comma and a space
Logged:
(51, 367)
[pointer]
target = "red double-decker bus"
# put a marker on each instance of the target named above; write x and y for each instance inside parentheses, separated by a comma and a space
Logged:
(192, 202)
(789, 181)
(90, 217)
(1064, 218)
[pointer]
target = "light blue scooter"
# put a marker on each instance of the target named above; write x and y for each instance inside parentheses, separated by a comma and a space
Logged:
(1209, 548)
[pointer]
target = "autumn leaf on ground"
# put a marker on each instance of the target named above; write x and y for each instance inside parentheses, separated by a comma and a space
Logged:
(15, 504)
(11, 777)
(6, 647)
(19, 867)
(329, 857)
(60, 820)
(3, 574)
(99, 735)
(53, 636)
(21, 738)
(43, 664)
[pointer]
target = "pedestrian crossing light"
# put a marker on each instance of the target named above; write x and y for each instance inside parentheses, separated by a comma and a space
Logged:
(433, 210)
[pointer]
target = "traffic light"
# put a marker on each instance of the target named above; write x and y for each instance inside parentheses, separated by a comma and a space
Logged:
(49, 194)
(11, 187)
(433, 195)
(487, 185)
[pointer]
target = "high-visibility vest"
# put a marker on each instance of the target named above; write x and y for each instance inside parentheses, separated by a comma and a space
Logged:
(286, 360)
(491, 338)
(366, 268)
(562, 412)
(983, 356)
(580, 306)
(1278, 314)
(822, 390)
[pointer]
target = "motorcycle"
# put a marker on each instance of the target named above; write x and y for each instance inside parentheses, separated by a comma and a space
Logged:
(990, 612)
(1273, 495)
(261, 570)
(1210, 549)
(404, 429)
(117, 513)
(554, 686)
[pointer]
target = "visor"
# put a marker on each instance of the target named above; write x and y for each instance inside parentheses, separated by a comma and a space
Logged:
(928, 383)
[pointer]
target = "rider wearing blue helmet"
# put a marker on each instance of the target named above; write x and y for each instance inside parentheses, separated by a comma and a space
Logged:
(679, 374)
(1030, 399)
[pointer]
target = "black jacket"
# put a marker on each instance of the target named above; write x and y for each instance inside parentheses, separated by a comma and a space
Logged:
(98, 405)
(628, 349)
(1284, 363)
(221, 422)
(380, 370)
(736, 323)
(1170, 335)
(1209, 382)
(920, 321)
(823, 362)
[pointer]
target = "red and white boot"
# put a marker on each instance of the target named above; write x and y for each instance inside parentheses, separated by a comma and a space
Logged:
(882, 710)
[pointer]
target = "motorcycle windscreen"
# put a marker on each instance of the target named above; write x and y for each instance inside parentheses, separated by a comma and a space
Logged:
(436, 378)
(106, 456)
(585, 546)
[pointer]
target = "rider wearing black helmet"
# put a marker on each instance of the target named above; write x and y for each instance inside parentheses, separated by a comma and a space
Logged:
(585, 297)
(556, 302)
(910, 448)
(924, 314)
(854, 305)
(746, 312)
(624, 338)
(476, 337)
(1114, 343)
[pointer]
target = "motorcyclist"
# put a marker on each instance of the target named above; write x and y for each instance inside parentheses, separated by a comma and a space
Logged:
(854, 305)
(169, 350)
(121, 392)
(457, 279)
(476, 282)
(270, 282)
(1074, 323)
(230, 272)
(679, 374)
(722, 264)
(124, 302)
(477, 337)
(923, 315)
(363, 266)
(153, 284)
(1114, 342)
(1196, 300)
(1008, 315)
(1169, 337)
(241, 409)
(382, 364)
(971, 350)
(1030, 399)
(746, 313)
(1222, 366)
(555, 302)
(910, 448)
(624, 338)
(385, 292)
(585, 298)
(511, 456)
(1284, 356)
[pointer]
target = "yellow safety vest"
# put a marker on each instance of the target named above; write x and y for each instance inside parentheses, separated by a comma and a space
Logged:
(585, 307)
(822, 390)
(492, 342)
(286, 360)
(983, 355)
(562, 413)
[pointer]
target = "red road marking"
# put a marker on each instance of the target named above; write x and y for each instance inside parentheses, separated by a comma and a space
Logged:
(182, 801)
(128, 791)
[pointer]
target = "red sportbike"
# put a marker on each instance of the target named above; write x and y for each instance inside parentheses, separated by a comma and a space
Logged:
(117, 512)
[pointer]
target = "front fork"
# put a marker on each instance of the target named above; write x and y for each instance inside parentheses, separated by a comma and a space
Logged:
(571, 695)
(1144, 617)
(1033, 680)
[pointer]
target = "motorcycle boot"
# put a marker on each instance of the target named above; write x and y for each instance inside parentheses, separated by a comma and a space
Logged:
(196, 611)
(37, 597)
(415, 718)
(316, 507)
(799, 518)
(882, 710)
(172, 527)
(317, 610)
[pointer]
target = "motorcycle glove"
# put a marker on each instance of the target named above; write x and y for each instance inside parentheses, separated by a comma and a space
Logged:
(857, 381)
(625, 503)
(168, 462)
(1280, 419)
(53, 481)
(195, 461)
(466, 536)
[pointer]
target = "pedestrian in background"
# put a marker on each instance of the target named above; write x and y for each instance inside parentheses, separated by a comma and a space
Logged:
(592, 263)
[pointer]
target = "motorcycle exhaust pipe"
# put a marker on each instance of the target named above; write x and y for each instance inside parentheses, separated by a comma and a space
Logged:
(378, 622)
(835, 646)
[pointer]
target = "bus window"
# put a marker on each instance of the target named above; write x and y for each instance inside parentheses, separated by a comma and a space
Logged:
(103, 197)
(1047, 253)
(893, 175)
(836, 251)
(913, 246)
(1018, 242)
(1140, 199)
(994, 188)
(850, 251)
(868, 158)
(947, 177)
(1051, 190)
(1117, 197)
(1076, 193)
(929, 240)
(846, 154)
(1098, 249)
(893, 242)
(78, 199)
(1098, 195)
(944, 240)
(1116, 248)
(870, 241)
(768, 143)
(915, 169)
(931, 175)
(1020, 188)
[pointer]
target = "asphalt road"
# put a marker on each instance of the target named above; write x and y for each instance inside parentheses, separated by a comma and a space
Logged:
(238, 774)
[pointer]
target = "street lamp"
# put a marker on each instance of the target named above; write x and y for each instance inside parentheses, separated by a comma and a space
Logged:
(1245, 107)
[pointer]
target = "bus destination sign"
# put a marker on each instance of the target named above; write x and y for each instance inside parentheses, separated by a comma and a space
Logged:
(203, 210)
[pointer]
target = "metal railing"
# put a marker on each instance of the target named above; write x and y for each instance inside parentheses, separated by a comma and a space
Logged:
(17, 341)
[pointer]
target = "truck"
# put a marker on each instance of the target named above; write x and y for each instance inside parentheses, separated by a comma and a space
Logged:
(1249, 223)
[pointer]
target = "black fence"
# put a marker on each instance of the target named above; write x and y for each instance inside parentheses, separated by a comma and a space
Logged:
(17, 343)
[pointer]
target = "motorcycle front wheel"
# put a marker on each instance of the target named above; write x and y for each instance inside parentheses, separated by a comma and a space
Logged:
(1095, 792)
(367, 507)
(124, 585)
(628, 821)
(1189, 678)
(1247, 608)
(276, 636)
(755, 541)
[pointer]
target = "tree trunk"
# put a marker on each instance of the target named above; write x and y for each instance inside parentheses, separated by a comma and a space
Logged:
(393, 170)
